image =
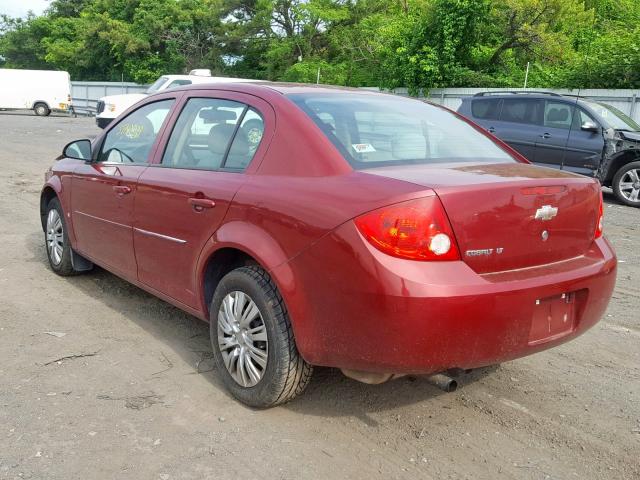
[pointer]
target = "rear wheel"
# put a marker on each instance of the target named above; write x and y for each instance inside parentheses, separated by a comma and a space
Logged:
(253, 340)
(626, 184)
(41, 109)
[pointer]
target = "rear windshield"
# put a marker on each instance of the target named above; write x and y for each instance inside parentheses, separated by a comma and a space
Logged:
(382, 130)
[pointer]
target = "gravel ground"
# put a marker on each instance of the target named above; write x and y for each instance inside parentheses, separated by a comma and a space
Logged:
(137, 396)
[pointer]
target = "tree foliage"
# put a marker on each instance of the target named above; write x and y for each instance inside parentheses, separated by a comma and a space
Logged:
(418, 44)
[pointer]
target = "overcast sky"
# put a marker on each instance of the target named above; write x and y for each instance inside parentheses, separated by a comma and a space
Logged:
(19, 8)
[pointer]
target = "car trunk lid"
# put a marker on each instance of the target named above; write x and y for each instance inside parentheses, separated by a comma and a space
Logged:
(511, 216)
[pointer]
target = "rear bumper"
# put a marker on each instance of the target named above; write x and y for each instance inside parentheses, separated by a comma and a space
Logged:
(354, 307)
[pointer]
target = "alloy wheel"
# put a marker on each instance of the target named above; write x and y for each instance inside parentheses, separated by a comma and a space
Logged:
(242, 338)
(629, 185)
(55, 236)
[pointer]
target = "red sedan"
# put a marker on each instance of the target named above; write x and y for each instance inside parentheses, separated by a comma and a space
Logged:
(319, 226)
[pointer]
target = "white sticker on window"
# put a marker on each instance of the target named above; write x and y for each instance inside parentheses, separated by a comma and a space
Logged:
(363, 147)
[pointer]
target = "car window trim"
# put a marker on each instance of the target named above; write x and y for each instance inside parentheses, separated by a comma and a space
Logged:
(152, 152)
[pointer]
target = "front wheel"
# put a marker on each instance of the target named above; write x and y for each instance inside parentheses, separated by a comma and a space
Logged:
(253, 342)
(57, 241)
(41, 109)
(626, 184)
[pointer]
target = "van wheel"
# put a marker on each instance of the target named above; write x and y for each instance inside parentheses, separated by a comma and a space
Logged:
(253, 342)
(626, 184)
(41, 109)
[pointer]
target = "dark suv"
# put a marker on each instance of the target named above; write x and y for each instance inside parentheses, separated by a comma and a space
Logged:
(563, 132)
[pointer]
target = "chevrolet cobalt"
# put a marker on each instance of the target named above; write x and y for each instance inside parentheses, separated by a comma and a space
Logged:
(317, 226)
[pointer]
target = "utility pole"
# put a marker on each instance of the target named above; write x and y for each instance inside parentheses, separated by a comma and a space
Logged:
(526, 76)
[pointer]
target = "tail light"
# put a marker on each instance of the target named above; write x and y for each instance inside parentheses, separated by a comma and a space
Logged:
(417, 230)
(600, 222)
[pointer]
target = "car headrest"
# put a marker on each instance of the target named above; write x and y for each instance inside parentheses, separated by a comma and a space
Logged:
(409, 146)
(558, 115)
(213, 115)
(219, 137)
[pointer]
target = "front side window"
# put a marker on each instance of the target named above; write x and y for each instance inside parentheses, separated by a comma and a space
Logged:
(380, 130)
(179, 83)
(130, 141)
(155, 86)
(213, 134)
(558, 115)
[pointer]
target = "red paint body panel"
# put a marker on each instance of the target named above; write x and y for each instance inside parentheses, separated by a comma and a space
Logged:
(102, 216)
(351, 305)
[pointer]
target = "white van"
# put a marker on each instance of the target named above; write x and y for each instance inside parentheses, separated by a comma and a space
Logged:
(111, 106)
(42, 91)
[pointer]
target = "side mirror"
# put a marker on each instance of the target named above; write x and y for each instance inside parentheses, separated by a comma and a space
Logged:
(589, 127)
(78, 150)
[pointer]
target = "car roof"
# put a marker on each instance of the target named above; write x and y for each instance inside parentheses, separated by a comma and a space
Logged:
(515, 94)
(280, 87)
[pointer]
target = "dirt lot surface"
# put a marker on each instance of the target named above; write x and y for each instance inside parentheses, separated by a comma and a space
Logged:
(135, 396)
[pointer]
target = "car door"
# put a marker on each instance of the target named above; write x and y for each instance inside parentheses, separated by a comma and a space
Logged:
(551, 144)
(519, 124)
(585, 146)
(485, 112)
(184, 195)
(103, 190)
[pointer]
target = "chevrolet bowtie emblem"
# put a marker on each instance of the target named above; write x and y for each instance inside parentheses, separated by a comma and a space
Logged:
(546, 212)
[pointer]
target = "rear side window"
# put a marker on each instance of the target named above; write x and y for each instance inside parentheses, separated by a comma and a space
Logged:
(520, 110)
(214, 134)
(486, 109)
(380, 130)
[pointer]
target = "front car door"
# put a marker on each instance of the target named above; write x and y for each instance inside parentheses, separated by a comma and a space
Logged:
(184, 195)
(551, 144)
(103, 190)
(585, 147)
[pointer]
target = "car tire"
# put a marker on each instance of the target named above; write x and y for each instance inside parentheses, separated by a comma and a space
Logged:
(41, 109)
(626, 184)
(56, 240)
(252, 339)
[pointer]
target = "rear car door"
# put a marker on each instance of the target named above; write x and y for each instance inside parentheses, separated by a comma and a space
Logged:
(485, 112)
(184, 195)
(103, 191)
(519, 124)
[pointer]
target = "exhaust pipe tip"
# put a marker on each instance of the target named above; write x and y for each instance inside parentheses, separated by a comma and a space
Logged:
(443, 382)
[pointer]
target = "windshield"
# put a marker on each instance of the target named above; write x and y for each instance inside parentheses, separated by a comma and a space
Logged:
(382, 130)
(156, 85)
(614, 117)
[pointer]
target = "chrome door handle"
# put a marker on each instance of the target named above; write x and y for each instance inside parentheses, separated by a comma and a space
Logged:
(121, 189)
(545, 135)
(199, 204)
(491, 130)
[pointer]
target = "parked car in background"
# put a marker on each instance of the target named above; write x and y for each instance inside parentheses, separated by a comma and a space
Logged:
(42, 91)
(569, 133)
(111, 106)
(320, 226)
